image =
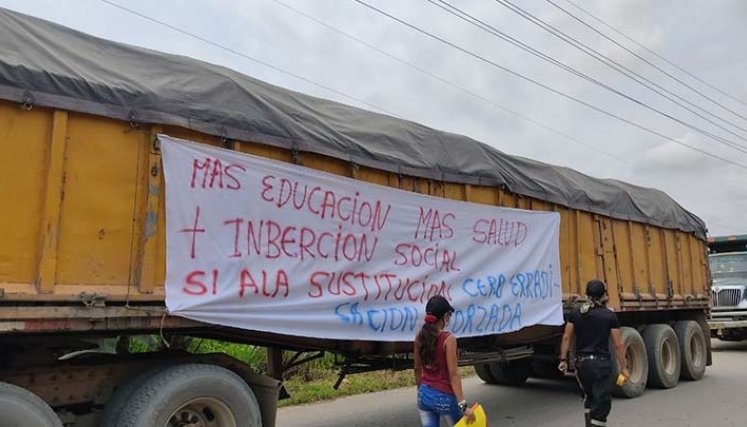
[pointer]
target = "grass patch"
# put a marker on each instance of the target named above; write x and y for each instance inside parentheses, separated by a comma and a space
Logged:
(311, 382)
(320, 387)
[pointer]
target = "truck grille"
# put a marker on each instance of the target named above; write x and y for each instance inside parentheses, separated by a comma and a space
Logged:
(726, 297)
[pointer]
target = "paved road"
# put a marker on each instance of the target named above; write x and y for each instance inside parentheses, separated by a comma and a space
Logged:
(719, 400)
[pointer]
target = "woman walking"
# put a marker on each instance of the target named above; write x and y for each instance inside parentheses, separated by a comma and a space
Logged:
(436, 373)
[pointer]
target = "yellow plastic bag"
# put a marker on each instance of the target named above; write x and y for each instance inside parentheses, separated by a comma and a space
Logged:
(481, 420)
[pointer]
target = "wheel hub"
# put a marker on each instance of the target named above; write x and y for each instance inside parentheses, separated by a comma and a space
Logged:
(202, 412)
(187, 418)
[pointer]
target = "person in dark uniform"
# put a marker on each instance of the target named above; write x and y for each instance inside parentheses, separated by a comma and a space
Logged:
(593, 324)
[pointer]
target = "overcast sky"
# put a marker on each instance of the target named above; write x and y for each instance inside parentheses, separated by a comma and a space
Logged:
(706, 38)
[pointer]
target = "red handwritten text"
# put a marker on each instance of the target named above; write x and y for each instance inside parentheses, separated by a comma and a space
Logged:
(195, 283)
(434, 256)
(194, 231)
(268, 285)
(212, 173)
(354, 211)
(269, 239)
(499, 232)
(377, 286)
(434, 224)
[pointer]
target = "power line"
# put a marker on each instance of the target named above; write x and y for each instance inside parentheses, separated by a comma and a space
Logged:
(655, 54)
(478, 96)
(544, 86)
(462, 89)
(386, 54)
(628, 73)
(245, 56)
(453, 10)
(650, 63)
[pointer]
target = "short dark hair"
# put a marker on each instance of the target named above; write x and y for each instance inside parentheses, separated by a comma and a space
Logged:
(595, 289)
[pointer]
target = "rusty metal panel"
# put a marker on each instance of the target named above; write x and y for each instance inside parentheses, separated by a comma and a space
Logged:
(97, 210)
(392, 180)
(587, 248)
(567, 254)
(508, 199)
(523, 202)
(149, 191)
(624, 257)
(481, 194)
(374, 176)
(639, 250)
(673, 263)
(407, 183)
(333, 166)
(454, 191)
(24, 141)
(194, 136)
(422, 186)
(609, 259)
(657, 262)
(53, 193)
(698, 250)
(264, 151)
(436, 188)
(688, 280)
(540, 205)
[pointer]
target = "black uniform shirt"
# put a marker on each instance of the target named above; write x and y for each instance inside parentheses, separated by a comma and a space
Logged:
(593, 329)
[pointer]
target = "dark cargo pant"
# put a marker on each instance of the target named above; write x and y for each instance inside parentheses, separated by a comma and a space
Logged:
(595, 377)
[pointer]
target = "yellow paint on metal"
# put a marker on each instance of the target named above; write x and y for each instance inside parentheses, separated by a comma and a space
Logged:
(145, 237)
(24, 141)
(53, 193)
(112, 217)
(97, 212)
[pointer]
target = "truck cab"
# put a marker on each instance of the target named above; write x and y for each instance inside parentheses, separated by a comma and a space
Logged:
(728, 265)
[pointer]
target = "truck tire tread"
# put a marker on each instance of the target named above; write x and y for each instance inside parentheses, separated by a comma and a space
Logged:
(662, 348)
(158, 397)
(687, 332)
(22, 408)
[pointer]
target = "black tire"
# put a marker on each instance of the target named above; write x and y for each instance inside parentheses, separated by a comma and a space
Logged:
(192, 391)
(513, 373)
(483, 372)
(121, 396)
(637, 361)
(663, 352)
(21, 408)
(693, 349)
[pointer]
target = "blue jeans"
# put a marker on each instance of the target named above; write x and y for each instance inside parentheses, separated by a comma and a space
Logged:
(434, 404)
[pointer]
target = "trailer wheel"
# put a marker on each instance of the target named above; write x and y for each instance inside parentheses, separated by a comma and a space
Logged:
(119, 400)
(637, 361)
(663, 352)
(21, 408)
(194, 395)
(512, 373)
(693, 349)
(483, 371)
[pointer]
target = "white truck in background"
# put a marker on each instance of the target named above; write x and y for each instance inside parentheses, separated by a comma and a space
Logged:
(728, 262)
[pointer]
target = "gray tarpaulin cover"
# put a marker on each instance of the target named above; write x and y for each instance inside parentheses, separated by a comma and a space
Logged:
(45, 64)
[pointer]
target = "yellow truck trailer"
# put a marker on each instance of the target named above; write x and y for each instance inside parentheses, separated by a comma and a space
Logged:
(83, 241)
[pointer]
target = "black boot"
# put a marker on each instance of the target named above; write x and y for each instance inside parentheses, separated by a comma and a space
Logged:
(587, 417)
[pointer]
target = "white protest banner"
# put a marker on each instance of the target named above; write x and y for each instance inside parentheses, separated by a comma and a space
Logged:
(264, 245)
